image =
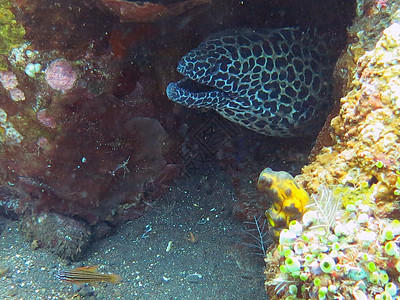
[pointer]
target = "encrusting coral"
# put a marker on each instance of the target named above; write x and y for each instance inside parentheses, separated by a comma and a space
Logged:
(11, 33)
(346, 244)
(366, 130)
(335, 253)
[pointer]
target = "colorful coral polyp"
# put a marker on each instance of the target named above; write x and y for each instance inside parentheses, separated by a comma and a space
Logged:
(355, 257)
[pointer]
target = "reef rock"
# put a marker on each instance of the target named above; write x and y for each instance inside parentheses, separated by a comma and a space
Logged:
(365, 132)
(144, 11)
(86, 157)
(345, 246)
(66, 237)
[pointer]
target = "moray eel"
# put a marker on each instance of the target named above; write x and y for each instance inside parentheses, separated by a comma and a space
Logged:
(288, 199)
(273, 81)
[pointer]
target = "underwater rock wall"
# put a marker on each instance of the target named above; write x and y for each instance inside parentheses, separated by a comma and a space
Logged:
(75, 119)
(345, 246)
(365, 135)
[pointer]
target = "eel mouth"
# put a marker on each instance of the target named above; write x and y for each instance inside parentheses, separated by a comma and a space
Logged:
(186, 91)
(193, 86)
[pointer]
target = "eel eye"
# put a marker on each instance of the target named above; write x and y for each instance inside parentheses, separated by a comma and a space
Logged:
(288, 192)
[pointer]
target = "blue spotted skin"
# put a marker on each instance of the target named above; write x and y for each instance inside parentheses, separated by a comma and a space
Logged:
(273, 81)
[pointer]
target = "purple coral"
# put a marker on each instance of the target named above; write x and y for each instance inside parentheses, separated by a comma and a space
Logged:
(60, 75)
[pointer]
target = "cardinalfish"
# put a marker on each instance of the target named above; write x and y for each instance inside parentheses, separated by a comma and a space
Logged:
(87, 275)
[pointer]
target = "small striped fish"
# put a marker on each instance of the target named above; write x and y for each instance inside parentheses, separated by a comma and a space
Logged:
(87, 275)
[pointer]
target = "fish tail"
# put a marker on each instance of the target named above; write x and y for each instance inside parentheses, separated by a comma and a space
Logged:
(115, 278)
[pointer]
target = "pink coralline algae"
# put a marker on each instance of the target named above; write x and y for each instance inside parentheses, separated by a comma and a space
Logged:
(17, 95)
(45, 119)
(8, 80)
(60, 75)
(43, 143)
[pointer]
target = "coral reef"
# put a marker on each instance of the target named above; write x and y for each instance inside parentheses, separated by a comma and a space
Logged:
(66, 27)
(138, 11)
(346, 245)
(88, 157)
(334, 253)
(74, 122)
(85, 128)
(365, 133)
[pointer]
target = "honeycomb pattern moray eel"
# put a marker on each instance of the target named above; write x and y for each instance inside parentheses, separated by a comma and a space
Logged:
(276, 82)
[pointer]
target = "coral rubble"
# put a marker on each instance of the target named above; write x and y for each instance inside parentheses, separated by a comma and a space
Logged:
(70, 239)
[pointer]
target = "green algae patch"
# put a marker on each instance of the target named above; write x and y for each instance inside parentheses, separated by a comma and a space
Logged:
(352, 196)
(11, 32)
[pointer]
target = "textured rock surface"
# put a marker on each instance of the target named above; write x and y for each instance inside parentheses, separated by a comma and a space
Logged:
(365, 132)
(66, 237)
(345, 245)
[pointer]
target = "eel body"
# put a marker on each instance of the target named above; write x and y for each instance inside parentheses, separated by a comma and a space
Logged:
(276, 82)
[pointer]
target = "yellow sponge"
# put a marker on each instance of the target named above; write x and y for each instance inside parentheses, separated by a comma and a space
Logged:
(288, 199)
